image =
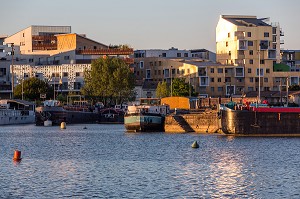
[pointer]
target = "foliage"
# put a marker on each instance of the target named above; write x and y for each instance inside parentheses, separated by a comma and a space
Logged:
(32, 89)
(181, 88)
(109, 79)
(294, 87)
(162, 90)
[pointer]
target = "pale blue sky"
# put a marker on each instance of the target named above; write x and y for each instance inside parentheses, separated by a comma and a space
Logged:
(148, 24)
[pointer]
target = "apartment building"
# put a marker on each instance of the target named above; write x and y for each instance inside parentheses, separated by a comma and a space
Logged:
(252, 46)
(47, 48)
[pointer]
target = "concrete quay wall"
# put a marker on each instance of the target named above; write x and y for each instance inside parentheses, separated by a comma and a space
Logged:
(202, 122)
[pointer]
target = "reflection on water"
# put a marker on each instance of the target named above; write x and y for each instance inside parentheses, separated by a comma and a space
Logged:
(103, 161)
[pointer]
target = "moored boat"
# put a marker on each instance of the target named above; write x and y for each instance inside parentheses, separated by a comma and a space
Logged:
(260, 119)
(52, 111)
(15, 111)
(148, 116)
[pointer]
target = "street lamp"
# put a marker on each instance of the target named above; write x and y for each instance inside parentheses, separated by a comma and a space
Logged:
(171, 82)
(259, 74)
(12, 70)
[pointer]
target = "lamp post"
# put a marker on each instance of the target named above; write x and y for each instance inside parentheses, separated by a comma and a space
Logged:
(259, 74)
(22, 83)
(54, 87)
(171, 82)
(12, 70)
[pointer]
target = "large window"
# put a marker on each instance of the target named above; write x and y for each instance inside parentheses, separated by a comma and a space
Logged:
(148, 74)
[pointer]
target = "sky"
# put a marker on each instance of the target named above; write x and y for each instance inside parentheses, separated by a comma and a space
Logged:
(148, 24)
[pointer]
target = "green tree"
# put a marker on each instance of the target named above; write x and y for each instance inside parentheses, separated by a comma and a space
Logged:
(109, 79)
(162, 90)
(181, 88)
(32, 88)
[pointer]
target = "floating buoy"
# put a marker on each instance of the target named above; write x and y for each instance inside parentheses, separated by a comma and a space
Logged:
(48, 123)
(63, 125)
(84, 127)
(17, 155)
(195, 145)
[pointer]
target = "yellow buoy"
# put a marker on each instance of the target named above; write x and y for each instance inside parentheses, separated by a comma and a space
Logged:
(63, 125)
(195, 145)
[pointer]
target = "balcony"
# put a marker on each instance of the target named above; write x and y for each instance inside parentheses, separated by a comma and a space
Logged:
(240, 62)
(271, 54)
(281, 41)
(239, 35)
(113, 51)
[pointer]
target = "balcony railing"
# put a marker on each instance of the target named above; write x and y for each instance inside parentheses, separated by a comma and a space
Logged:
(128, 51)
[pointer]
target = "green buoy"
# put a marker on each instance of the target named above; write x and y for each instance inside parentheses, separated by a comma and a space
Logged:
(195, 145)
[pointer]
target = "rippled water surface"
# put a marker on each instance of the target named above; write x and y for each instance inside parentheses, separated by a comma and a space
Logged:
(103, 161)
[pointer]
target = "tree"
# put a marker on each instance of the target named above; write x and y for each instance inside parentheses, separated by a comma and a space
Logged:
(109, 79)
(162, 90)
(181, 88)
(32, 89)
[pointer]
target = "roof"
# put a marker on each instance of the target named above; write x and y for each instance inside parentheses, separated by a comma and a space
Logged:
(81, 36)
(245, 20)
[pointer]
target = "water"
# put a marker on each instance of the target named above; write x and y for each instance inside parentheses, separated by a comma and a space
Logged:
(103, 161)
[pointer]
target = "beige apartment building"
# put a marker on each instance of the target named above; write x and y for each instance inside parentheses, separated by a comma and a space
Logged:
(249, 44)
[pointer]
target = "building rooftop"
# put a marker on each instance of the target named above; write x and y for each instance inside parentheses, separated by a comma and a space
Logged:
(249, 21)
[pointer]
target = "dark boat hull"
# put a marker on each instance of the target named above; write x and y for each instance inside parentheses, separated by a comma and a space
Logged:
(144, 123)
(244, 122)
(58, 115)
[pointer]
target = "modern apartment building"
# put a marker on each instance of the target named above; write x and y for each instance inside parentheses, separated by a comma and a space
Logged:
(250, 45)
(42, 50)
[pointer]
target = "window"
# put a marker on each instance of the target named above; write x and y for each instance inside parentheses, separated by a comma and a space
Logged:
(141, 64)
(228, 34)
(251, 79)
(229, 53)
(30, 60)
(250, 88)
(158, 72)
(148, 74)
(250, 52)
(212, 89)
(220, 89)
(265, 79)
(212, 70)
(95, 47)
(267, 70)
(249, 70)
(219, 79)
(186, 54)
(159, 63)
(226, 43)
(151, 63)
(138, 73)
(266, 34)
(250, 61)
(212, 79)
(178, 71)
(261, 72)
(164, 54)
(262, 61)
(178, 54)
(220, 70)
(249, 34)
(65, 74)
(155, 63)
(250, 43)
(167, 73)
(66, 57)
